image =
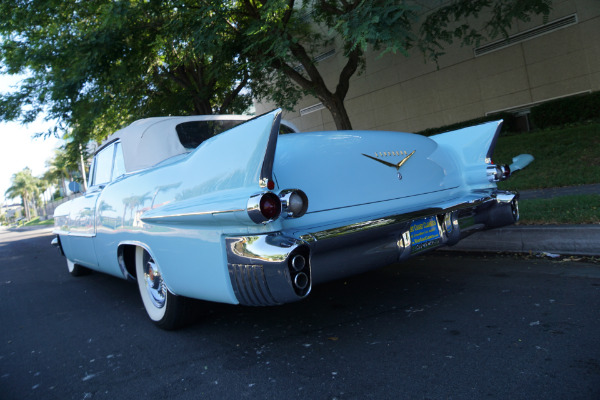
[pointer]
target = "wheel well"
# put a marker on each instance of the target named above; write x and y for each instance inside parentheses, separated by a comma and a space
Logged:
(126, 254)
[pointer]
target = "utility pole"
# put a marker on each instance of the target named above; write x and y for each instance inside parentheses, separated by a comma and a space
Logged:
(82, 166)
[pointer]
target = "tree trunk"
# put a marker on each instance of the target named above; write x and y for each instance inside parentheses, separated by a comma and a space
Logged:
(202, 106)
(338, 111)
(316, 84)
(63, 187)
(26, 207)
(334, 102)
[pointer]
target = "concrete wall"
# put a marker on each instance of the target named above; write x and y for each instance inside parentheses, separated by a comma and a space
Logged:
(408, 94)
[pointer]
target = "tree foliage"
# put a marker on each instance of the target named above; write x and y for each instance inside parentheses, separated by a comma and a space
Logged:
(26, 186)
(64, 166)
(95, 65)
(284, 37)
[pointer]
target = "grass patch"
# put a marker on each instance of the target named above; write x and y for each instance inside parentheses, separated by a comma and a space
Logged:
(563, 157)
(36, 221)
(579, 209)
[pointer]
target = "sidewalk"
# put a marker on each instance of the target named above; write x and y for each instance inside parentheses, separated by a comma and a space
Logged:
(557, 239)
(562, 191)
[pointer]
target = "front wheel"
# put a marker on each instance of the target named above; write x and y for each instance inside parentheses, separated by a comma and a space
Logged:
(165, 309)
(76, 269)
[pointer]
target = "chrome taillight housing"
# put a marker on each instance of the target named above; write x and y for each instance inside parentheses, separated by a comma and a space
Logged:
(267, 206)
(497, 173)
(264, 207)
(294, 203)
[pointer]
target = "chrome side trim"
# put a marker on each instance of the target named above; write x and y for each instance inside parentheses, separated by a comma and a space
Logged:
(191, 214)
(71, 233)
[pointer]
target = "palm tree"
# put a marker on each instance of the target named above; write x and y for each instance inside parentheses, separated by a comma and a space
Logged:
(43, 185)
(24, 185)
(58, 169)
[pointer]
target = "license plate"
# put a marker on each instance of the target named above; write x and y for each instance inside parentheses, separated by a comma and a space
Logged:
(424, 233)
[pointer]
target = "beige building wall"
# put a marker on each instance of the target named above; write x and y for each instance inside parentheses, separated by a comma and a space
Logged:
(408, 94)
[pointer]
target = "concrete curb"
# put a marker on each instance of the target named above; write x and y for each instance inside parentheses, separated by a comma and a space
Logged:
(28, 228)
(558, 239)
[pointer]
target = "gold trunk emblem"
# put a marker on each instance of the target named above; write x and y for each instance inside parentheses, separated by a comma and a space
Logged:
(389, 164)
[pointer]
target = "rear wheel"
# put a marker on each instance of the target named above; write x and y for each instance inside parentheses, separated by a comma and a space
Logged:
(165, 309)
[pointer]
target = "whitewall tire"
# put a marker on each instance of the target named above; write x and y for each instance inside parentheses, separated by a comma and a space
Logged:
(165, 309)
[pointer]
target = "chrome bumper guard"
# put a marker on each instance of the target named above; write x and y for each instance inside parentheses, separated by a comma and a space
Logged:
(281, 267)
(56, 243)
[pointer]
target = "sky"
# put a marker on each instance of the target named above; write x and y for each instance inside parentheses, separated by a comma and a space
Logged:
(18, 148)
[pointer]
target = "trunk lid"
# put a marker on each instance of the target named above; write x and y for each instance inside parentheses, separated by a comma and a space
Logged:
(345, 169)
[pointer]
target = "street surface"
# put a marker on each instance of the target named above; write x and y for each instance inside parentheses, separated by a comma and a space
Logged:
(440, 326)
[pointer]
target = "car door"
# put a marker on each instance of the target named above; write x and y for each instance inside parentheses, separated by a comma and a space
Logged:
(82, 216)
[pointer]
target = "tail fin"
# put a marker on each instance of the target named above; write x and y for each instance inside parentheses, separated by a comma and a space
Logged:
(474, 144)
(240, 157)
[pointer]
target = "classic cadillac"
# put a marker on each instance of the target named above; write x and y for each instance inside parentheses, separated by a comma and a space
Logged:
(226, 210)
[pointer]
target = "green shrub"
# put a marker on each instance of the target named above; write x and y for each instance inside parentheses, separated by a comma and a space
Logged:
(566, 111)
(509, 125)
(555, 113)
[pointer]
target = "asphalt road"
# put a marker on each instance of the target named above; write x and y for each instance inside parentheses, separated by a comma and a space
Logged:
(442, 326)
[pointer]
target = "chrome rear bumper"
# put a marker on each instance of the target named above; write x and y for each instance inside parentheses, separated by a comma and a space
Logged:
(281, 267)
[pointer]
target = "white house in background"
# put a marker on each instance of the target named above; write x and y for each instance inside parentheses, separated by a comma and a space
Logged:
(10, 211)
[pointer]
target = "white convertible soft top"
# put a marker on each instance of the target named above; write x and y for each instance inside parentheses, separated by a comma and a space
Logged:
(147, 142)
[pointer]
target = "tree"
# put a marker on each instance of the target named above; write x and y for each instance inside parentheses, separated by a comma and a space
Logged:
(26, 186)
(65, 166)
(58, 171)
(43, 184)
(97, 65)
(282, 37)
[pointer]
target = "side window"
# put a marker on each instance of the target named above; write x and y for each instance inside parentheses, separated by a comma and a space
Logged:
(119, 164)
(91, 175)
(191, 134)
(103, 162)
(107, 165)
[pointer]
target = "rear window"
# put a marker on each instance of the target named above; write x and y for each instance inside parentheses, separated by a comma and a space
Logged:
(192, 134)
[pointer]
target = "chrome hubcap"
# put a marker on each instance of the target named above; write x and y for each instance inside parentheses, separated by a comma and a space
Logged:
(155, 285)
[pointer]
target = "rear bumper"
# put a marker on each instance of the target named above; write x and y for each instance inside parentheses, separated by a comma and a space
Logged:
(281, 267)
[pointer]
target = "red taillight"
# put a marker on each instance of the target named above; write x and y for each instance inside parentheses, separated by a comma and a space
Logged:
(270, 206)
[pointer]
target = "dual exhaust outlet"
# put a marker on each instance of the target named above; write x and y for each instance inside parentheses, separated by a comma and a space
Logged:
(299, 269)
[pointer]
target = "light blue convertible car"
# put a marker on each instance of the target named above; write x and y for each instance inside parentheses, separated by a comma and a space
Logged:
(226, 210)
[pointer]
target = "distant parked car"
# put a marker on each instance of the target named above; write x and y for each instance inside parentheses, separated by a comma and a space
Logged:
(226, 210)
